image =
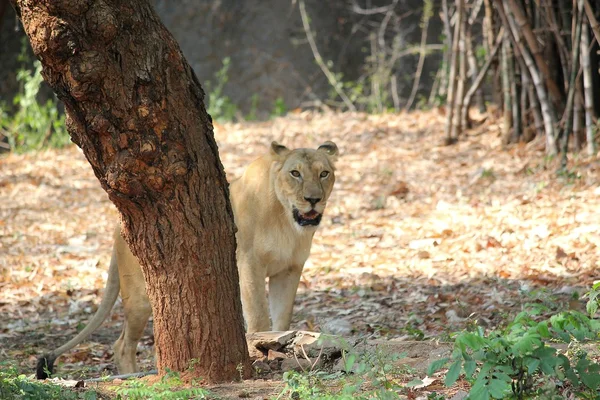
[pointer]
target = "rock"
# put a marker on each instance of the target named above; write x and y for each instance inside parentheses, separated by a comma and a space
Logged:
(275, 355)
(269, 340)
(460, 395)
(261, 367)
(275, 365)
(308, 344)
(292, 364)
(340, 327)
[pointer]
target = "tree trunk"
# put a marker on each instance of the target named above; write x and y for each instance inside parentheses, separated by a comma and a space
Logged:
(507, 77)
(447, 60)
(548, 112)
(588, 94)
(136, 109)
(568, 114)
(457, 125)
(525, 29)
(452, 79)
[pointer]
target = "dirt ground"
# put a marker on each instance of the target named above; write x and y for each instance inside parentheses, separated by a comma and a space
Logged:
(419, 239)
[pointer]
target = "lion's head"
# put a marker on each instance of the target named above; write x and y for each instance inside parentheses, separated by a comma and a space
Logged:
(303, 180)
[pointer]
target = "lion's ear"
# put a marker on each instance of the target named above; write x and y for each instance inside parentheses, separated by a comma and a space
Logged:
(278, 149)
(330, 148)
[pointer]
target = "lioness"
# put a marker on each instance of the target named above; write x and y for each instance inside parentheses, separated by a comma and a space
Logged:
(278, 204)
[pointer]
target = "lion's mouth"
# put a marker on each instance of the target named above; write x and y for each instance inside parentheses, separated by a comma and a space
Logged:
(311, 218)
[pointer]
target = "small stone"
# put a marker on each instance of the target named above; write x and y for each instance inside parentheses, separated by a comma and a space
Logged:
(308, 343)
(261, 367)
(274, 365)
(460, 395)
(275, 355)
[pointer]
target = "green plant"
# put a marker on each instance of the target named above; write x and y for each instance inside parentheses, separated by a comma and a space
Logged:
(279, 108)
(253, 113)
(220, 107)
(593, 297)
(166, 388)
(16, 386)
(514, 362)
(33, 126)
(361, 376)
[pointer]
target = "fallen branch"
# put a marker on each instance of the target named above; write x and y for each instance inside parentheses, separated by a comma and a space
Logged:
(123, 376)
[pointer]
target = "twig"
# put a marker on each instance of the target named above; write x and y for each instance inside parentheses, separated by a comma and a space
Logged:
(372, 11)
(313, 46)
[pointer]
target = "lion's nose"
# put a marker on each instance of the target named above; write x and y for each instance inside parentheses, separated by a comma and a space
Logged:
(313, 200)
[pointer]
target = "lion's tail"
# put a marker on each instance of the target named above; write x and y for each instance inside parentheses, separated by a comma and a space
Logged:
(45, 363)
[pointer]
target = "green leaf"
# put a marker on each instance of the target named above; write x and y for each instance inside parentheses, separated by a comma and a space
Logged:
(479, 392)
(349, 362)
(591, 307)
(499, 388)
(475, 342)
(413, 383)
(469, 367)
(531, 364)
(437, 365)
(591, 380)
(526, 344)
(453, 373)
(542, 329)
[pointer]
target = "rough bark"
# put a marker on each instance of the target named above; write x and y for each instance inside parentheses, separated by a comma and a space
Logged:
(136, 109)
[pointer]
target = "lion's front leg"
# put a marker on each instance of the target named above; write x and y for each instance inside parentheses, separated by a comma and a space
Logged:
(254, 296)
(282, 293)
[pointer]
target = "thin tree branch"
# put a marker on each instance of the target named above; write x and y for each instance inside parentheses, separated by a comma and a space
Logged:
(313, 46)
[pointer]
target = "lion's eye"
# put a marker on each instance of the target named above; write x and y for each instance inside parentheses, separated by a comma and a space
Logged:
(324, 174)
(295, 173)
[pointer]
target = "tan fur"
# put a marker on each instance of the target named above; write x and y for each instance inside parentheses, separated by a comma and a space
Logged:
(271, 244)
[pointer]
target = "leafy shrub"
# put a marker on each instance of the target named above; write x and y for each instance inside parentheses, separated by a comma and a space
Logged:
(368, 375)
(165, 389)
(220, 107)
(33, 126)
(15, 386)
(516, 362)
